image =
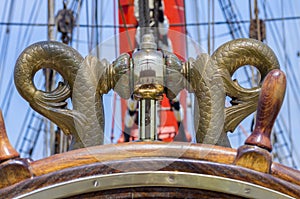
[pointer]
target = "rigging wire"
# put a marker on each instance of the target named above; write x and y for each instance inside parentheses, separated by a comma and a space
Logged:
(279, 124)
(213, 25)
(171, 24)
(240, 17)
(96, 22)
(5, 43)
(34, 13)
(234, 17)
(250, 10)
(88, 27)
(272, 19)
(5, 9)
(77, 19)
(2, 35)
(26, 38)
(100, 29)
(279, 48)
(296, 154)
(185, 27)
(115, 29)
(125, 24)
(208, 28)
(26, 122)
(291, 74)
(297, 24)
(93, 23)
(287, 89)
(235, 31)
(293, 83)
(114, 95)
(198, 21)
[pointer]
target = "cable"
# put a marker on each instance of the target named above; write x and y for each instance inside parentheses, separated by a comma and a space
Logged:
(10, 89)
(288, 90)
(125, 25)
(96, 22)
(5, 43)
(293, 83)
(5, 9)
(171, 25)
(196, 7)
(88, 28)
(77, 19)
(208, 28)
(115, 29)
(213, 25)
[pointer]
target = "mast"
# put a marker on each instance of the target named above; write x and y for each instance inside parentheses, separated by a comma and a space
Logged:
(49, 138)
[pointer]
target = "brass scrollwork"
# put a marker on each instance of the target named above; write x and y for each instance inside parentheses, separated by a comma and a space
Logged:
(86, 80)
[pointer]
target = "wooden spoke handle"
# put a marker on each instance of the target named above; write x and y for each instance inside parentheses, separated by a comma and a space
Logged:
(269, 104)
(6, 150)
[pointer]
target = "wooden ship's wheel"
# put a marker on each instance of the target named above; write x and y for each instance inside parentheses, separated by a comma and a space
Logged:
(149, 168)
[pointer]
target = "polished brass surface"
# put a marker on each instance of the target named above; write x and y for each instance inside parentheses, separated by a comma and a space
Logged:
(86, 80)
(230, 57)
(82, 84)
(149, 91)
(210, 99)
(148, 70)
(155, 178)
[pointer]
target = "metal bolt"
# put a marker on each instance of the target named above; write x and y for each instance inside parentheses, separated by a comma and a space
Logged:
(96, 183)
(171, 179)
(247, 190)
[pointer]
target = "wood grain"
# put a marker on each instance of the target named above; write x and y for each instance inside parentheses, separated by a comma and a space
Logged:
(130, 150)
(269, 104)
(124, 151)
(254, 158)
(150, 164)
(14, 171)
(6, 150)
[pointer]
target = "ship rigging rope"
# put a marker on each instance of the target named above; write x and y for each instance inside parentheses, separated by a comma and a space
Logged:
(23, 135)
(294, 85)
(96, 22)
(287, 64)
(196, 12)
(125, 25)
(290, 73)
(296, 154)
(77, 19)
(289, 116)
(5, 43)
(89, 41)
(278, 47)
(115, 29)
(235, 31)
(134, 26)
(296, 33)
(213, 26)
(5, 105)
(208, 28)
(114, 98)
